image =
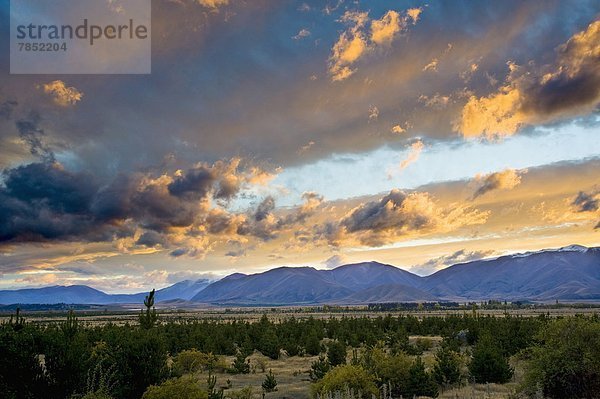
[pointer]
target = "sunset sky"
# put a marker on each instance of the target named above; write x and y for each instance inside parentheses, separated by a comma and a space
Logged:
(282, 133)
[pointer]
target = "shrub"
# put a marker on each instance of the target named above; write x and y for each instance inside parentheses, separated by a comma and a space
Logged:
(270, 383)
(424, 344)
(180, 388)
(488, 364)
(244, 393)
(566, 363)
(239, 365)
(344, 377)
(261, 364)
(446, 370)
(319, 368)
(336, 353)
(420, 382)
(193, 361)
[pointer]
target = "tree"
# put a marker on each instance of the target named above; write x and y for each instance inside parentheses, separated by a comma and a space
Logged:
(239, 365)
(312, 343)
(566, 362)
(344, 377)
(21, 374)
(149, 318)
(420, 382)
(269, 344)
(336, 353)
(319, 368)
(212, 392)
(180, 388)
(270, 383)
(488, 364)
(446, 370)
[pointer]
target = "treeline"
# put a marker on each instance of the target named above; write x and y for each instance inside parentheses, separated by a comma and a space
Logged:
(64, 360)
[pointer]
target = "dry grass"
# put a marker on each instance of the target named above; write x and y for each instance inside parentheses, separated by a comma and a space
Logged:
(294, 383)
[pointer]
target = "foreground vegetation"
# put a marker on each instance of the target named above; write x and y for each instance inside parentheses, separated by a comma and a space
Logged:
(354, 357)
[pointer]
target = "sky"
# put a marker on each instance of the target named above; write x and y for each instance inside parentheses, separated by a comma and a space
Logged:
(291, 133)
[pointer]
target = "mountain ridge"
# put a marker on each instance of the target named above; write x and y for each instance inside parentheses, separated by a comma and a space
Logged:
(567, 273)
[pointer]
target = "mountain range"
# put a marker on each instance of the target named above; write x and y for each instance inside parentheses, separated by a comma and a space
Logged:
(570, 273)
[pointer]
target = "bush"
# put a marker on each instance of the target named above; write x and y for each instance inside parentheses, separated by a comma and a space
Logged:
(239, 365)
(319, 368)
(336, 353)
(390, 369)
(193, 361)
(180, 388)
(566, 363)
(488, 364)
(244, 393)
(340, 378)
(420, 382)
(446, 370)
(424, 344)
(270, 383)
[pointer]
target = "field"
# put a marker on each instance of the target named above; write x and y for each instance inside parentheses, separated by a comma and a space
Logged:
(120, 315)
(293, 380)
(477, 351)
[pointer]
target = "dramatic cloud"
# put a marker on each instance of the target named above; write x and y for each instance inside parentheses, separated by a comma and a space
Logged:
(587, 202)
(383, 30)
(399, 214)
(569, 87)
(45, 202)
(504, 180)
(61, 94)
(357, 40)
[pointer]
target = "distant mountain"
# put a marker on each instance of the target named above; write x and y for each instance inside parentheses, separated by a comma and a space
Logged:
(82, 294)
(55, 294)
(389, 293)
(182, 290)
(284, 285)
(570, 273)
(305, 285)
(364, 275)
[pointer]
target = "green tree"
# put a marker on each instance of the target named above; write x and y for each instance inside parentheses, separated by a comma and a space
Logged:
(240, 365)
(270, 383)
(343, 377)
(312, 343)
(488, 364)
(566, 362)
(21, 374)
(420, 382)
(180, 388)
(319, 368)
(148, 318)
(336, 353)
(446, 370)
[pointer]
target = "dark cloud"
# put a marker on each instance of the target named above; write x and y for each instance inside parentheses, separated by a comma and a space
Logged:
(33, 136)
(387, 213)
(195, 183)
(586, 202)
(264, 209)
(152, 239)
(506, 180)
(44, 201)
(575, 82)
(398, 214)
(6, 109)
